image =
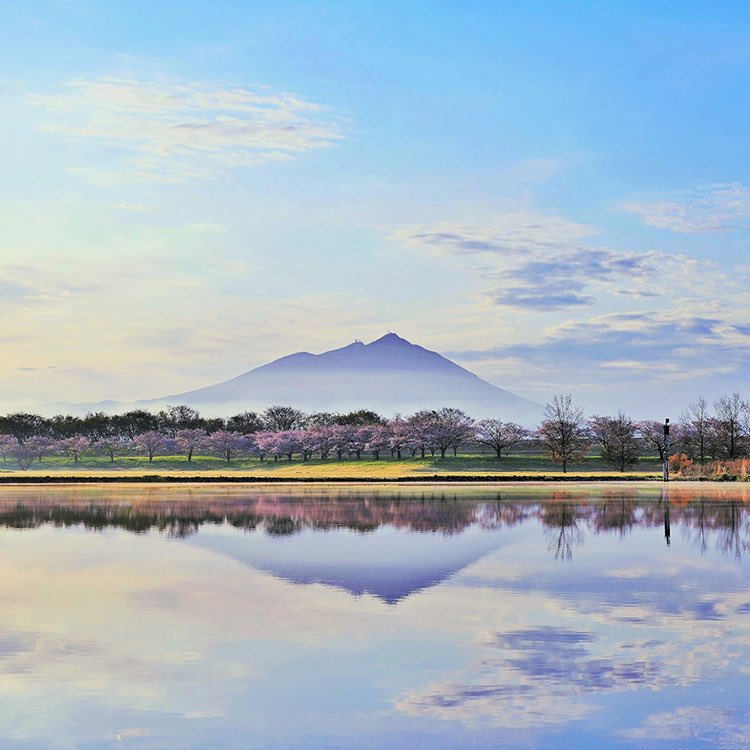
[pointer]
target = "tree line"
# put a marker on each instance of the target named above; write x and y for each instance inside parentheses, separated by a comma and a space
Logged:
(565, 434)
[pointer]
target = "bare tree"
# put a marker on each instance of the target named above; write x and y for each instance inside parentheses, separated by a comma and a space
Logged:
(498, 435)
(562, 518)
(563, 432)
(695, 425)
(617, 438)
(732, 417)
(652, 434)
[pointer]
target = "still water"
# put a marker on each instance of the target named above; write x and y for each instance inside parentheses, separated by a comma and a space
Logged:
(575, 617)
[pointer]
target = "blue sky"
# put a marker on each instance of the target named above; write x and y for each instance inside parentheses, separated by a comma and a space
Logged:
(553, 193)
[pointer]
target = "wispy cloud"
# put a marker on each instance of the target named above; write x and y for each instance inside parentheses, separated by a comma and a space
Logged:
(140, 207)
(713, 208)
(719, 727)
(577, 315)
(528, 669)
(542, 295)
(506, 234)
(659, 346)
(541, 263)
(10, 290)
(175, 130)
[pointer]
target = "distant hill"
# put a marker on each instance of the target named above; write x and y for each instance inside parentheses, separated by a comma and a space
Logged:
(389, 375)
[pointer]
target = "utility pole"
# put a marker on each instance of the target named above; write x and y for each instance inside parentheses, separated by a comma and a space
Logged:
(666, 450)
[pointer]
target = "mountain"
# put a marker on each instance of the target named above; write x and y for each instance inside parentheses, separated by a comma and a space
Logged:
(380, 563)
(390, 375)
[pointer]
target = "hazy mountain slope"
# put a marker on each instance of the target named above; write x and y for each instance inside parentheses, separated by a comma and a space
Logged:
(389, 375)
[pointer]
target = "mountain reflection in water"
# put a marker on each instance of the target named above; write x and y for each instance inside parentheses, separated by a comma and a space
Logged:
(598, 616)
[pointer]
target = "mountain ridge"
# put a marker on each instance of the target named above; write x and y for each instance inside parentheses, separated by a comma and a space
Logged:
(390, 375)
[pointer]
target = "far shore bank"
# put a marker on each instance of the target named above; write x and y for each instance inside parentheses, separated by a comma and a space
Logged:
(223, 479)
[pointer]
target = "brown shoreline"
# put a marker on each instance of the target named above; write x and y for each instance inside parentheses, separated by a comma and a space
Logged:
(51, 479)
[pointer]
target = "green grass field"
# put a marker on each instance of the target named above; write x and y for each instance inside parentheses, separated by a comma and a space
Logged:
(412, 468)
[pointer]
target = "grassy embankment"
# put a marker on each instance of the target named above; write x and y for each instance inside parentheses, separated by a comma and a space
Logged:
(466, 467)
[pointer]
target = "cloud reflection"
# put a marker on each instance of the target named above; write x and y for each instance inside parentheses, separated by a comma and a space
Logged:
(106, 632)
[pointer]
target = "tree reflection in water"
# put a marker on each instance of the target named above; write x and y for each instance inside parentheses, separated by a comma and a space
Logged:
(706, 518)
(561, 528)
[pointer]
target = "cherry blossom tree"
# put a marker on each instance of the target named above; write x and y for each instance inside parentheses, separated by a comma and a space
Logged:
(151, 442)
(308, 442)
(189, 440)
(41, 446)
(342, 440)
(498, 435)
(448, 427)
(378, 439)
(113, 445)
(418, 433)
(359, 436)
(75, 446)
(227, 444)
(7, 444)
(23, 455)
(289, 442)
(399, 436)
(327, 439)
(264, 443)
(278, 444)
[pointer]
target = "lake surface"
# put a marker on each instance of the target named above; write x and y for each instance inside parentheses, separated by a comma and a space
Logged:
(607, 616)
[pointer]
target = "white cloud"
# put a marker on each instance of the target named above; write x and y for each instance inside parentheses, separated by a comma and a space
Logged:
(506, 234)
(140, 207)
(543, 263)
(168, 131)
(712, 208)
(720, 727)
(550, 304)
